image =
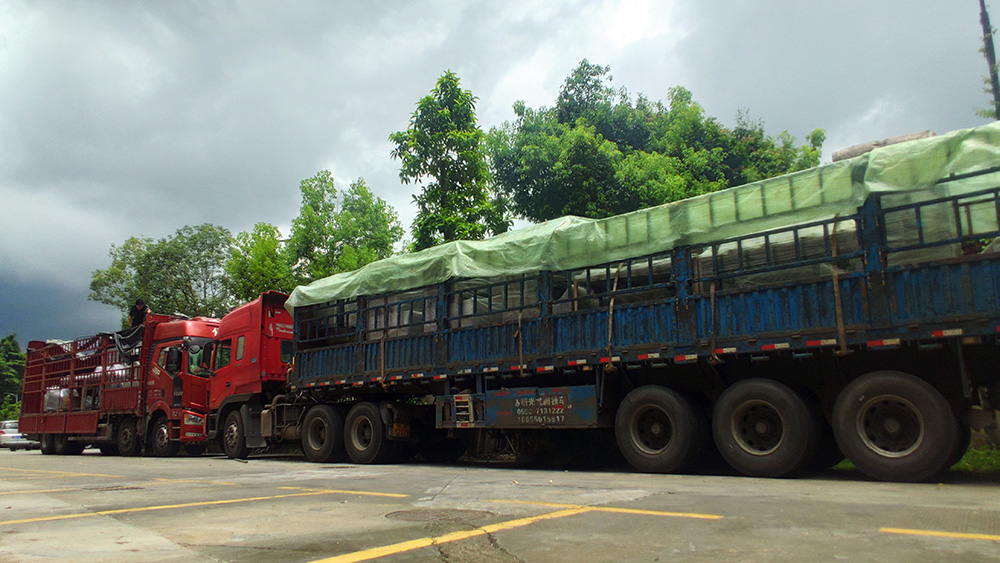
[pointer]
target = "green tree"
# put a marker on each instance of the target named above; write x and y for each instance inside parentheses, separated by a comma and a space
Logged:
(339, 232)
(183, 273)
(598, 153)
(444, 147)
(258, 263)
(11, 376)
(367, 228)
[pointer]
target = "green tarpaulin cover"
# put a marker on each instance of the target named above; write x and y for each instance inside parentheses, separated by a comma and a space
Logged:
(572, 242)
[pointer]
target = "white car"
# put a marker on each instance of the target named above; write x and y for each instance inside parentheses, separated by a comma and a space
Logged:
(11, 438)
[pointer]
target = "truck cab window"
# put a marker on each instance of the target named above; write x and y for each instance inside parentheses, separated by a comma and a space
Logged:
(198, 362)
(239, 348)
(222, 353)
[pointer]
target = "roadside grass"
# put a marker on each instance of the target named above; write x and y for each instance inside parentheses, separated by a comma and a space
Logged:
(983, 460)
(979, 460)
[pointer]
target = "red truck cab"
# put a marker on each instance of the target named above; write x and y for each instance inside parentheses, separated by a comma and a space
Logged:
(253, 352)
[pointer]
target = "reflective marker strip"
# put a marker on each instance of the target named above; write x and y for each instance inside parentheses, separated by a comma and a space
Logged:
(611, 359)
(778, 346)
(358, 383)
(544, 368)
(949, 332)
(341, 382)
(437, 376)
(652, 356)
(886, 342)
(582, 362)
(396, 377)
(725, 350)
(824, 342)
(686, 358)
(491, 369)
(465, 371)
(416, 375)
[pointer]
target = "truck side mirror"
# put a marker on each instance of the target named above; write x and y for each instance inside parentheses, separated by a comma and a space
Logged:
(173, 361)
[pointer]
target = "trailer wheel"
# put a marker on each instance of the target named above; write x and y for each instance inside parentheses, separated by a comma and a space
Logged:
(364, 435)
(65, 446)
(323, 434)
(828, 453)
(127, 437)
(233, 439)
(658, 430)
(764, 429)
(48, 444)
(159, 439)
(961, 446)
(895, 427)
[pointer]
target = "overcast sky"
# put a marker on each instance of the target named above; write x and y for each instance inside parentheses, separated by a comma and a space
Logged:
(123, 119)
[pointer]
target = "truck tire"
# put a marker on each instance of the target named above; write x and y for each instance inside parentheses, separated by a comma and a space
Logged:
(895, 427)
(323, 434)
(159, 439)
(48, 444)
(658, 430)
(127, 437)
(65, 446)
(234, 441)
(364, 435)
(764, 429)
(964, 439)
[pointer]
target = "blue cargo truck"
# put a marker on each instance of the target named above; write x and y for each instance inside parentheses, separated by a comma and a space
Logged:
(849, 310)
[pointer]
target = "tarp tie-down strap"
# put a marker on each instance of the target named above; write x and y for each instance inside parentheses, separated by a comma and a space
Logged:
(520, 347)
(713, 358)
(611, 309)
(381, 354)
(838, 304)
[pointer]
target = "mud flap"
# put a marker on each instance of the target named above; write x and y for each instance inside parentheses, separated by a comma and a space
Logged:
(251, 428)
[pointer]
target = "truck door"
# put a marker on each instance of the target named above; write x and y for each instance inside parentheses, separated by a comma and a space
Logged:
(196, 378)
(222, 373)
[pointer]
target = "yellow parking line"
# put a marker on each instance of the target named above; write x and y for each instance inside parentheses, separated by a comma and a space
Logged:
(447, 538)
(37, 492)
(184, 505)
(59, 473)
(345, 492)
(193, 481)
(940, 534)
(618, 510)
(32, 478)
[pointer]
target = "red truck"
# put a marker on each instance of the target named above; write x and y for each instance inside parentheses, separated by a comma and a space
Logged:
(160, 383)
(253, 351)
(119, 391)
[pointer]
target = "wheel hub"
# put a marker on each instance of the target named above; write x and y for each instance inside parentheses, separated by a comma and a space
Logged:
(651, 430)
(891, 426)
(758, 427)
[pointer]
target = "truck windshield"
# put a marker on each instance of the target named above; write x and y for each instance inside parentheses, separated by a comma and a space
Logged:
(198, 361)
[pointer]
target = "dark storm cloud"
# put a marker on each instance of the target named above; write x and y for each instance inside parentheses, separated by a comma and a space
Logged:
(126, 119)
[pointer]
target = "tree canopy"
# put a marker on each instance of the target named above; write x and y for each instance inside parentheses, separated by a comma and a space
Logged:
(598, 152)
(257, 263)
(183, 273)
(443, 149)
(11, 375)
(339, 232)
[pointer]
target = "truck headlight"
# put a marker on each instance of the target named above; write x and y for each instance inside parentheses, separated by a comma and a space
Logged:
(193, 420)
